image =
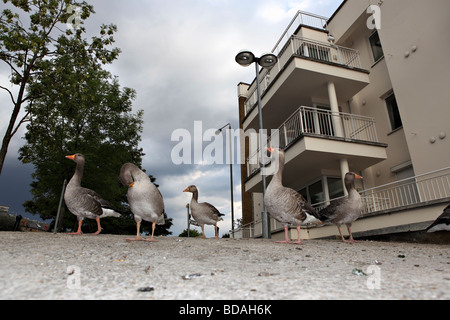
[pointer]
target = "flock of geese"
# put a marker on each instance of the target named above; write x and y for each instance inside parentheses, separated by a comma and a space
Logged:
(145, 200)
(284, 204)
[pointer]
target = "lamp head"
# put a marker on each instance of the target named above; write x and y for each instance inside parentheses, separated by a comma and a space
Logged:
(219, 131)
(268, 60)
(245, 58)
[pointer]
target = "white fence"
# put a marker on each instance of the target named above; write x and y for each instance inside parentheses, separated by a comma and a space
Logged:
(420, 189)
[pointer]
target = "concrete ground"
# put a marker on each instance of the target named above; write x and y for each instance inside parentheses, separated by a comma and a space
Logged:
(48, 266)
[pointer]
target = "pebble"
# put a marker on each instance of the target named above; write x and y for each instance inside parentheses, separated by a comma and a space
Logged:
(146, 289)
(192, 276)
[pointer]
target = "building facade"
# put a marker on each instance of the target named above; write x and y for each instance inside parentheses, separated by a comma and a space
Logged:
(365, 91)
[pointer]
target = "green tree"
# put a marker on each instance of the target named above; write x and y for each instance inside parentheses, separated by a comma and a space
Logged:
(79, 107)
(26, 50)
(192, 233)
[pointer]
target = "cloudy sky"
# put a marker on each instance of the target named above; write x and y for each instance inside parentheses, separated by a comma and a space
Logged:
(179, 57)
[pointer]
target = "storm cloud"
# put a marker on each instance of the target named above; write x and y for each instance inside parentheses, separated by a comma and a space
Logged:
(179, 57)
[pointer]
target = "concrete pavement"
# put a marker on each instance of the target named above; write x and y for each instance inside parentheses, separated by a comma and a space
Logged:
(48, 266)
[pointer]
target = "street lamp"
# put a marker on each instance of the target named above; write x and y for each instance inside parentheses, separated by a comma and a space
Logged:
(245, 59)
(219, 131)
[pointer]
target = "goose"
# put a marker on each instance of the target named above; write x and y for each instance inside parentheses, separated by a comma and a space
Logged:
(83, 202)
(285, 204)
(146, 201)
(344, 210)
(204, 213)
(442, 223)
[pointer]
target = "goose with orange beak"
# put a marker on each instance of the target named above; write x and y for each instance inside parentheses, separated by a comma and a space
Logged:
(285, 204)
(204, 213)
(83, 202)
(345, 210)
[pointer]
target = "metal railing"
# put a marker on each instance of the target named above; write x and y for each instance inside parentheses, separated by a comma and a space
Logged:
(324, 51)
(321, 123)
(300, 18)
(417, 190)
(306, 48)
(411, 191)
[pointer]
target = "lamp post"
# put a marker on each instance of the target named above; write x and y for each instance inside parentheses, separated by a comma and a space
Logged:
(188, 220)
(231, 173)
(245, 59)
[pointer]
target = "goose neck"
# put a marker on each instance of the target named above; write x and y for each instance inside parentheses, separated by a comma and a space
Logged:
(78, 174)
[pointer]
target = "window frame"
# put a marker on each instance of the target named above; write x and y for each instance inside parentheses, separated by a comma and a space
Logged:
(371, 45)
(393, 112)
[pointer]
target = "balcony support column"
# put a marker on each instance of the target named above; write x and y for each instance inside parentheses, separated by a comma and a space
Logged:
(337, 124)
(344, 170)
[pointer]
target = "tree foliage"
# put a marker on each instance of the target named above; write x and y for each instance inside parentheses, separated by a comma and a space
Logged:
(71, 103)
(192, 233)
(31, 31)
(81, 108)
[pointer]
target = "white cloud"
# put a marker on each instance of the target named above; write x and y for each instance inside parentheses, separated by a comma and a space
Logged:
(273, 11)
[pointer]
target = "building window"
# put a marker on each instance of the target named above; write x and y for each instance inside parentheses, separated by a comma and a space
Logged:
(375, 45)
(394, 114)
(335, 188)
(316, 192)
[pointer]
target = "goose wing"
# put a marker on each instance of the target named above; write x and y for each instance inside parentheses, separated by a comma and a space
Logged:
(330, 212)
(212, 211)
(97, 199)
(300, 202)
(98, 205)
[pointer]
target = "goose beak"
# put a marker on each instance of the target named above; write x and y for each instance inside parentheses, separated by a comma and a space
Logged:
(72, 157)
(131, 185)
(186, 190)
(357, 176)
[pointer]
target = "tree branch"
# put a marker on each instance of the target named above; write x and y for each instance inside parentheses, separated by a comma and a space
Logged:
(24, 119)
(10, 94)
(11, 65)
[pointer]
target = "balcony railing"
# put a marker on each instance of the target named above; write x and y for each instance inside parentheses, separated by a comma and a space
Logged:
(301, 18)
(308, 49)
(407, 193)
(411, 191)
(320, 123)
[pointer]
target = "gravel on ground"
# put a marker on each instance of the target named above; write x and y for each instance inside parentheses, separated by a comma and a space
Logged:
(63, 267)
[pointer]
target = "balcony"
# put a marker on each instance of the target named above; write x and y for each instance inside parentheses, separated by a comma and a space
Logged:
(309, 51)
(317, 138)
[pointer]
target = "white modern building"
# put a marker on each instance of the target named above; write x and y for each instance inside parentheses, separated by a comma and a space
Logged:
(366, 90)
